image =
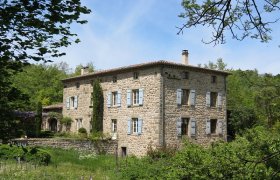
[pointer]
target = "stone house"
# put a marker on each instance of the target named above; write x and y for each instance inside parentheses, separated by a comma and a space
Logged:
(152, 104)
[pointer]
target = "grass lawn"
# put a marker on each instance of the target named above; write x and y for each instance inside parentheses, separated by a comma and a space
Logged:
(65, 164)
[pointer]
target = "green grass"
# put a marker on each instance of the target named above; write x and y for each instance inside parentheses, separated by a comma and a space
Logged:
(65, 164)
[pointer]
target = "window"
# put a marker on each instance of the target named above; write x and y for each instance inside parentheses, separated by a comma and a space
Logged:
(185, 75)
(135, 75)
(115, 98)
(135, 125)
(79, 123)
(135, 96)
(72, 102)
(213, 99)
(213, 126)
(213, 79)
(114, 125)
(185, 96)
(77, 85)
(185, 126)
(114, 79)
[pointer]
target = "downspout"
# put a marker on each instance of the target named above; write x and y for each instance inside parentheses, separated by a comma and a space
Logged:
(163, 106)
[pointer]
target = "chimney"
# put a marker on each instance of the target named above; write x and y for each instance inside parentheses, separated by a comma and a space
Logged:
(185, 57)
(84, 70)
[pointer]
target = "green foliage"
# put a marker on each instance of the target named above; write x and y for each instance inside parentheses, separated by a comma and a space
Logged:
(241, 19)
(82, 131)
(66, 121)
(161, 152)
(254, 155)
(97, 107)
(46, 134)
(38, 118)
(31, 30)
(42, 83)
(32, 154)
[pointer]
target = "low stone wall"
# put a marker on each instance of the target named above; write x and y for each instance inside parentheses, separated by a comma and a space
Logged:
(101, 146)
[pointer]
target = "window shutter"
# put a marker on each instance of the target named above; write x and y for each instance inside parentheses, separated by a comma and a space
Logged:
(109, 97)
(208, 126)
(193, 127)
(192, 97)
(220, 96)
(140, 122)
(220, 126)
(141, 94)
(129, 126)
(68, 102)
(208, 99)
(75, 102)
(179, 96)
(179, 127)
(128, 98)
(119, 99)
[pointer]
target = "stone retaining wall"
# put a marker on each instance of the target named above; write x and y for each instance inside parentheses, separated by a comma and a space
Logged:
(102, 146)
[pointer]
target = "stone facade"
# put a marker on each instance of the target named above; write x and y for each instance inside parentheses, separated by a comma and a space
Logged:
(143, 102)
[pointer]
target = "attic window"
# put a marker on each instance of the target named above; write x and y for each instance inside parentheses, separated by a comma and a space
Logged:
(185, 75)
(114, 79)
(135, 75)
(77, 85)
(213, 79)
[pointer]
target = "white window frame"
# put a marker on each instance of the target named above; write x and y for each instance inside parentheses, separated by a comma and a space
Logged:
(79, 123)
(114, 126)
(115, 98)
(135, 97)
(134, 125)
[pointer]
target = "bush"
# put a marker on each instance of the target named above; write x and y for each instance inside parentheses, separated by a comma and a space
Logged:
(82, 131)
(46, 134)
(162, 152)
(32, 154)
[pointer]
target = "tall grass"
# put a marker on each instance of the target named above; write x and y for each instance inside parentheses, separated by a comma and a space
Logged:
(65, 164)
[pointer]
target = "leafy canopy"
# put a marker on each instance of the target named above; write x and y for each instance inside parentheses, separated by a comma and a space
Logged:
(242, 19)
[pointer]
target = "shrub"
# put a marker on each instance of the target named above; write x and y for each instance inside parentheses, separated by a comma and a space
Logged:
(32, 154)
(46, 134)
(162, 152)
(82, 131)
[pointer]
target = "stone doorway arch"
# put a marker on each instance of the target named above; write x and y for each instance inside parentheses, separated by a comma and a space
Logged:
(53, 124)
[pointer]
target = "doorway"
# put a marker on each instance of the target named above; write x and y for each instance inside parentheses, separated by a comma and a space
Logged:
(124, 152)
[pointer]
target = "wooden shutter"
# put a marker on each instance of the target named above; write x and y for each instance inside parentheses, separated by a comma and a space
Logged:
(192, 97)
(141, 96)
(129, 126)
(75, 102)
(193, 127)
(208, 126)
(179, 127)
(220, 126)
(220, 98)
(179, 96)
(109, 99)
(68, 102)
(128, 98)
(119, 99)
(140, 122)
(208, 99)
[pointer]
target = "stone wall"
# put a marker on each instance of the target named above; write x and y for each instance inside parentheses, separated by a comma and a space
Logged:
(105, 146)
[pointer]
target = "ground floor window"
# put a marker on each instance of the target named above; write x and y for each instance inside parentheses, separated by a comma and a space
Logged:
(79, 123)
(185, 126)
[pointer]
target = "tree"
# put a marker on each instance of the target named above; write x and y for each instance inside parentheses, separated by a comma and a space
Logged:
(38, 118)
(31, 30)
(244, 18)
(41, 83)
(97, 107)
(219, 65)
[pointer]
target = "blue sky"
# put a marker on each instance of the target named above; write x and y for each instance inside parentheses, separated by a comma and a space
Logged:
(125, 32)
